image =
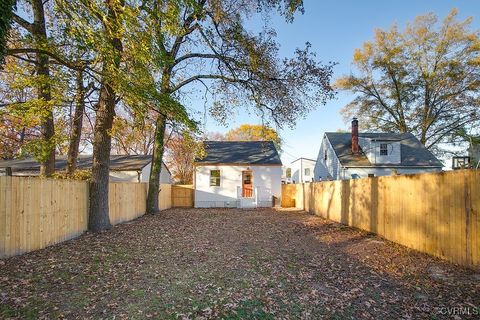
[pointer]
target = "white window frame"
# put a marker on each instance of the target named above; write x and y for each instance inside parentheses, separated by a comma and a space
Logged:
(217, 180)
(384, 148)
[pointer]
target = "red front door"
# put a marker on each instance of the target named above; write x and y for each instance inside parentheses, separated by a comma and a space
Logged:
(247, 184)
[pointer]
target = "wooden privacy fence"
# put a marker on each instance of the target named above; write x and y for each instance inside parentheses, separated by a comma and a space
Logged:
(165, 197)
(182, 196)
(126, 201)
(36, 213)
(436, 213)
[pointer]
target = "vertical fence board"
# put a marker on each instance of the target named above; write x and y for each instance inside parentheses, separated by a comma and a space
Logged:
(182, 196)
(165, 197)
(3, 215)
(436, 213)
(36, 213)
(475, 184)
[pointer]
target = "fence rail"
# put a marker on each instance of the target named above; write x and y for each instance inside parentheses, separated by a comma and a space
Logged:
(436, 213)
(36, 213)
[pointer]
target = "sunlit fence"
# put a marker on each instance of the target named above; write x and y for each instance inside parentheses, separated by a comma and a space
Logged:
(36, 213)
(436, 213)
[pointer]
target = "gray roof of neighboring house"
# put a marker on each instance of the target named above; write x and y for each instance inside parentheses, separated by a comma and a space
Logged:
(240, 152)
(413, 153)
(117, 163)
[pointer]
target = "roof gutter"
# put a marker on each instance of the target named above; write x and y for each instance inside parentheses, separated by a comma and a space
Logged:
(234, 164)
(386, 167)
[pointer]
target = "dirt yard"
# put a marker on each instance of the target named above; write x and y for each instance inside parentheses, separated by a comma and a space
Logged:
(235, 264)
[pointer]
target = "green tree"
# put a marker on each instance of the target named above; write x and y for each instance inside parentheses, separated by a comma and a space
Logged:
(6, 13)
(254, 132)
(47, 37)
(205, 43)
(424, 80)
(120, 37)
(43, 149)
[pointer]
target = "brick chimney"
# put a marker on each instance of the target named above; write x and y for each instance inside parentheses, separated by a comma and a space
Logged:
(355, 148)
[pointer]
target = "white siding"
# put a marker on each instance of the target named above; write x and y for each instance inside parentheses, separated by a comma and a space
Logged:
(264, 177)
(329, 169)
(347, 173)
(299, 166)
(332, 169)
(123, 176)
(165, 176)
(144, 175)
(372, 150)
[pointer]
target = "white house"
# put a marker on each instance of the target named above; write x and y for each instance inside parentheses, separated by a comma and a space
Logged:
(126, 168)
(302, 170)
(243, 174)
(358, 155)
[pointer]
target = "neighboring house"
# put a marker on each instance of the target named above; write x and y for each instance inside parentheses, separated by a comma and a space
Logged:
(244, 174)
(302, 170)
(353, 155)
(474, 154)
(127, 168)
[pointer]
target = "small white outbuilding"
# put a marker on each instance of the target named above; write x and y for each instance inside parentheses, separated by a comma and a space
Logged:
(123, 168)
(239, 174)
(302, 170)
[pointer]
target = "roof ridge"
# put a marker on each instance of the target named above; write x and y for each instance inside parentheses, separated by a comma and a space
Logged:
(238, 141)
(256, 152)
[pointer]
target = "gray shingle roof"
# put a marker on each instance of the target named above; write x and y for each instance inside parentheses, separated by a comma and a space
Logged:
(240, 152)
(413, 153)
(117, 163)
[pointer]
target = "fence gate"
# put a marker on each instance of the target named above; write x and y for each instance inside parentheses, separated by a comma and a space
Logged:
(182, 196)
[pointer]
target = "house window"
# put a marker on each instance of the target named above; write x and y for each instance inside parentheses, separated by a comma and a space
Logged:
(325, 156)
(215, 178)
(307, 171)
(371, 175)
(383, 149)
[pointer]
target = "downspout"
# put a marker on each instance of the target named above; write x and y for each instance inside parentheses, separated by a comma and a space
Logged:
(139, 176)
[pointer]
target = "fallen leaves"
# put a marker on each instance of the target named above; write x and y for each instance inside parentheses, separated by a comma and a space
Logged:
(217, 263)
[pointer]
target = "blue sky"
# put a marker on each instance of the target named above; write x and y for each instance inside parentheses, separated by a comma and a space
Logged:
(335, 29)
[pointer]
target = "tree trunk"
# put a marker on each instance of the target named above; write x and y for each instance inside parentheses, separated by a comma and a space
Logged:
(105, 111)
(154, 181)
(76, 125)
(6, 12)
(39, 33)
(98, 217)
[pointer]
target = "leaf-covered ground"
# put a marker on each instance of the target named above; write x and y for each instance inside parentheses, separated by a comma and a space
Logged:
(235, 264)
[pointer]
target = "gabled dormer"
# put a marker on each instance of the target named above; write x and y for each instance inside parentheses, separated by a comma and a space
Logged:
(378, 148)
(381, 150)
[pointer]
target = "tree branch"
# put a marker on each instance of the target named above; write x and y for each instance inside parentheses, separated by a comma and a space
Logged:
(205, 76)
(74, 66)
(201, 55)
(23, 23)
